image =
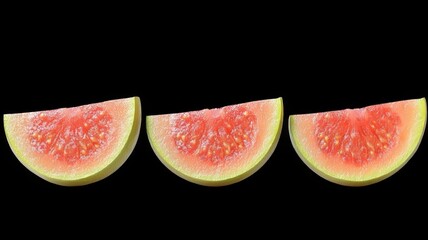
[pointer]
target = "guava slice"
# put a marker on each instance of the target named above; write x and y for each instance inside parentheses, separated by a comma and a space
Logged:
(359, 147)
(75, 146)
(219, 146)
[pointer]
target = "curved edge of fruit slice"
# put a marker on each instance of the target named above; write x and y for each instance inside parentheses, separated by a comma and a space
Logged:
(309, 158)
(129, 142)
(115, 160)
(257, 161)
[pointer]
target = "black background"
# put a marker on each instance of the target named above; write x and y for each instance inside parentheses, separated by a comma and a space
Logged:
(179, 61)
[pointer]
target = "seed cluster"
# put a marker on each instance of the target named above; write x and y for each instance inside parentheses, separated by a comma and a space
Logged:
(70, 137)
(228, 134)
(347, 134)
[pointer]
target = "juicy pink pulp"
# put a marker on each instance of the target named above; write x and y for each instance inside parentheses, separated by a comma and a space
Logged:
(70, 135)
(215, 135)
(357, 136)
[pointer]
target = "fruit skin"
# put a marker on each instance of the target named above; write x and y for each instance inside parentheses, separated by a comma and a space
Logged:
(113, 161)
(255, 162)
(307, 155)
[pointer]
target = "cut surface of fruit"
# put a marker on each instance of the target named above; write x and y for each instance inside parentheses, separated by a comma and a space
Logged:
(219, 146)
(76, 145)
(358, 147)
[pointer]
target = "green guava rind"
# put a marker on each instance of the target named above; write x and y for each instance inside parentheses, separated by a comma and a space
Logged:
(113, 161)
(305, 153)
(260, 157)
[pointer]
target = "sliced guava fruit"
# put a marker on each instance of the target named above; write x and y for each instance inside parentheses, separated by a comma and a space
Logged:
(218, 146)
(362, 146)
(74, 146)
